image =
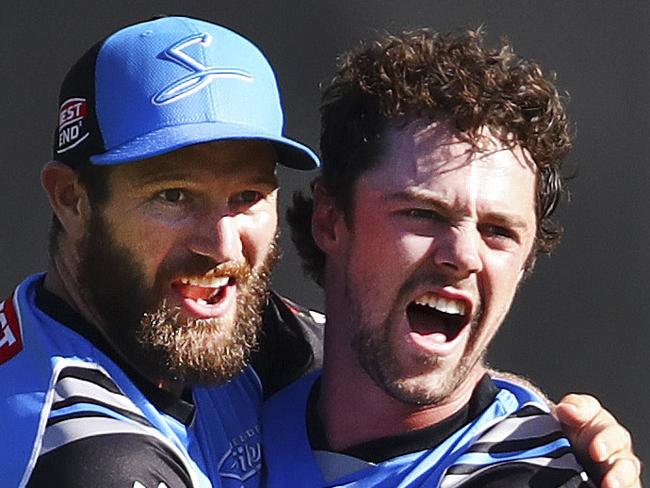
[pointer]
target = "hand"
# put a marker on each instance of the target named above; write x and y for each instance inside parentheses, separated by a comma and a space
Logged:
(594, 432)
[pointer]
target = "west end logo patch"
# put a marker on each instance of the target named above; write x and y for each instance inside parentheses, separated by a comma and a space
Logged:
(72, 131)
(201, 75)
(11, 341)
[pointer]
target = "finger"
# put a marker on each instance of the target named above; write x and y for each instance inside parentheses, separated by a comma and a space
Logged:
(575, 410)
(610, 441)
(624, 473)
(595, 431)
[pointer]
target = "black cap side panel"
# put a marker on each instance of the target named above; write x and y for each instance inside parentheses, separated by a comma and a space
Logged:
(77, 134)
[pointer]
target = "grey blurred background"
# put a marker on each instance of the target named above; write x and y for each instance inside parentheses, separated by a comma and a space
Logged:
(581, 323)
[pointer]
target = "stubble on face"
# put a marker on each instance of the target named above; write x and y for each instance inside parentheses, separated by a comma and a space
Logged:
(430, 189)
(376, 351)
(155, 336)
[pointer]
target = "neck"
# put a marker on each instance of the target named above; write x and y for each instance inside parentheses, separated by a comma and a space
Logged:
(61, 280)
(354, 412)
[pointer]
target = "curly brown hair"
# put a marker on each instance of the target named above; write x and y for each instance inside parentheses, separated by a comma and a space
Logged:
(420, 75)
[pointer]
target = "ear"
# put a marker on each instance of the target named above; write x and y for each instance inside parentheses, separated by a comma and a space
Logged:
(67, 196)
(327, 223)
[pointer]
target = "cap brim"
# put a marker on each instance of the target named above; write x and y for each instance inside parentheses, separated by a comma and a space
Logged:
(168, 139)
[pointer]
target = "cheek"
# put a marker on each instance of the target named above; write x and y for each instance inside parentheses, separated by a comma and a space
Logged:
(257, 233)
(149, 242)
(384, 245)
(502, 276)
(413, 248)
(381, 261)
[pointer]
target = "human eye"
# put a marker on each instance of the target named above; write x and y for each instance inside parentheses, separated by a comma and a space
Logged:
(498, 232)
(248, 197)
(244, 201)
(422, 214)
(172, 195)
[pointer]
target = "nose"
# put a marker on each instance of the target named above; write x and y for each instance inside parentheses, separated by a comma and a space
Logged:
(457, 252)
(217, 238)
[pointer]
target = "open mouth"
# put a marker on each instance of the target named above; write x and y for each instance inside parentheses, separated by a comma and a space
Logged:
(205, 294)
(437, 316)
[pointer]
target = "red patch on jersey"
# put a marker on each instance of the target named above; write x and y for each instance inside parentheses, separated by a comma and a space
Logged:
(11, 341)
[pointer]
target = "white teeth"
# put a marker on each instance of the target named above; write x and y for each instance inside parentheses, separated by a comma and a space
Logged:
(201, 301)
(217, 282)
(446, 305)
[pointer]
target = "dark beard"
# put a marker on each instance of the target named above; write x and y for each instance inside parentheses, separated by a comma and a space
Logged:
(153, 336)
(376, 356)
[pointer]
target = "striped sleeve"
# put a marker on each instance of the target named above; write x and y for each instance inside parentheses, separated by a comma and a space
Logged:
(525, 449)
(97, 436)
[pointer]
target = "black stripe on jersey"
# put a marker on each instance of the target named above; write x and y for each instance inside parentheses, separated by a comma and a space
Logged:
(116, 460)
(522, 474)
(470, 468)
(515, 445)
(80, 399)
(529, 411)
(89, 374)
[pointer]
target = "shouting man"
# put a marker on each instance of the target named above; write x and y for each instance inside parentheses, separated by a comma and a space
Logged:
(441, 170)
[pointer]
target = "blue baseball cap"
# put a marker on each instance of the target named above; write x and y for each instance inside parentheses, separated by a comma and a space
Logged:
(165, 84)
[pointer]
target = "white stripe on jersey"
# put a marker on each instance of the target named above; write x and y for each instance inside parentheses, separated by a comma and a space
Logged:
(520, 428)
(71, 386)
(564, 462)
(75, 429)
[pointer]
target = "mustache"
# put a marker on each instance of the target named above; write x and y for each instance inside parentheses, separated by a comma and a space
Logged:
(204, 267)
(432, 280)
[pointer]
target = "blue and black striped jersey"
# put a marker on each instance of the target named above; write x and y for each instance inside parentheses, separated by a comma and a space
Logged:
(513, 442)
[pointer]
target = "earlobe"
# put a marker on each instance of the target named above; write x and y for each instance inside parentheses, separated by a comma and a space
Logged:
(66, 195)
(326, 220)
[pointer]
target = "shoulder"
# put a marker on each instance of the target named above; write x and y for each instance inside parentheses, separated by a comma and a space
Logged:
(525, 447)
(524, 475)
(31, 353)
(125, 459)
(283, 314)
(93, 430)
(290, 345)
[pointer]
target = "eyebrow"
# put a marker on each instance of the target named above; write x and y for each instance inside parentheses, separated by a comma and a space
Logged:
(422, 197)
(154, 178)
(150, 178)
(437, 202)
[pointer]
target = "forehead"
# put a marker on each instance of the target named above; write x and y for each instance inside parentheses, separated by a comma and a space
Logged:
(220, 162)
(438, 157)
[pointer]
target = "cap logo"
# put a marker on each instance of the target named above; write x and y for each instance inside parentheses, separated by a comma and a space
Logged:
(201, 76)
(71, 124)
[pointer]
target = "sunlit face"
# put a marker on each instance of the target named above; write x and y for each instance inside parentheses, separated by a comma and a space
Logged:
(433, 253)
(176, 263)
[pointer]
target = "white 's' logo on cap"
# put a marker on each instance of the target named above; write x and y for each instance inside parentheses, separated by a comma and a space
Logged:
(201, 75)
(72, 114)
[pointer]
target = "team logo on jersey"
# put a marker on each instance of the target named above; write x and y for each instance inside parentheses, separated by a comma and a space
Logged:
(11, 341)
(72, 131)
(244, 458)
(201, 75)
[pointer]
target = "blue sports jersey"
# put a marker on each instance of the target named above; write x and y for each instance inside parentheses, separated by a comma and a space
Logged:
(58, 389)
(515, 433)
